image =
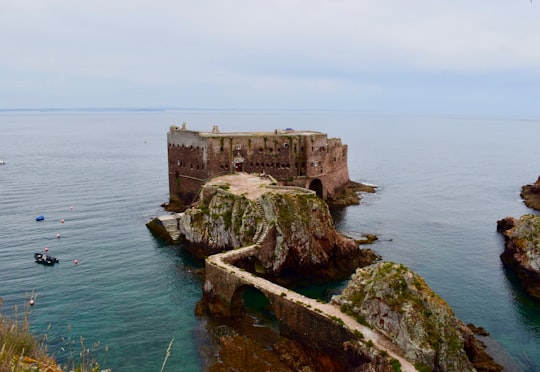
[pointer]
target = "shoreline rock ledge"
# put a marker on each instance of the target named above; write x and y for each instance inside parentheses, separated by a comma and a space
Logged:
(522, 250)
(531, 195)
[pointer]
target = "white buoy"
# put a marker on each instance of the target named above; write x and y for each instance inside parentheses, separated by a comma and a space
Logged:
(62, 220)
(31, 302)
(58, 236)
(76, 262)
(46, 249)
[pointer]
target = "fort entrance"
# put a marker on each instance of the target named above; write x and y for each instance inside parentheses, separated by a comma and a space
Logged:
(317, 186)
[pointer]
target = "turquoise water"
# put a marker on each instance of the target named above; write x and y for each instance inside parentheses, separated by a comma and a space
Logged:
(443, 184)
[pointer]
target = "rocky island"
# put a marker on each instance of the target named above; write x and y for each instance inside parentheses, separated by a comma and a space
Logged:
(522, 242)
(397, 302)
(387, 317)
(522, 250)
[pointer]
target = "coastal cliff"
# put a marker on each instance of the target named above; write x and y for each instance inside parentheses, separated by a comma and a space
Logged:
(289, 237)
(522, 250)
(292, 227)
(398, 303)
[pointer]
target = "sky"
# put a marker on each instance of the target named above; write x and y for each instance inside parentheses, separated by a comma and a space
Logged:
(459, 57)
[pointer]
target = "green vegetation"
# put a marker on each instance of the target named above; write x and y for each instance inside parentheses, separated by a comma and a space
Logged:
(20, 351)
(422, 368)
(18, 346)
(337, 319)
(396, 365)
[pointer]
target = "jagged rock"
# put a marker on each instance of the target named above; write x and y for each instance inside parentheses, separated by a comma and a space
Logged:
(531, 195)
(294, 230)
(522, 250)
(399, 303)
(350, 195)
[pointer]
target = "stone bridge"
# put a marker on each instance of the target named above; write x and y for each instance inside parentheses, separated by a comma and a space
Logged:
(317, 325)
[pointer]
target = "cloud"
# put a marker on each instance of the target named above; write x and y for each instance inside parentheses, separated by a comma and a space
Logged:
(314, 48)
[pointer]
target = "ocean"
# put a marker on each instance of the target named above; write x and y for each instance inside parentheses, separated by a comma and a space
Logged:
(443, 182)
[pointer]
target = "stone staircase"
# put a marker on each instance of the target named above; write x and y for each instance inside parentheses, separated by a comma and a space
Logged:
(262, 228)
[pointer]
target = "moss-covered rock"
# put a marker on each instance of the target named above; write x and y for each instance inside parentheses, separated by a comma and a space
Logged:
(522, 250)
(293, 228)
(399, 303)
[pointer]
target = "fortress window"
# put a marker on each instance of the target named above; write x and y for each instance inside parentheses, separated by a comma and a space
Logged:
(239, 146)
(271, 149)
(260, 149)
(286, 145)
(221, 149)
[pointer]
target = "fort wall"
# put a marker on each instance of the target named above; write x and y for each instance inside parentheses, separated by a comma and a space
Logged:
(298, 158)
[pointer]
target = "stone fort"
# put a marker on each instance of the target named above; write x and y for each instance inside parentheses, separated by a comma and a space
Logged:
(303, 158)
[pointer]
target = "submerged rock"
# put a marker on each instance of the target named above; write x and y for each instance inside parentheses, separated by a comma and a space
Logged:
(522, 250)
(397, 302)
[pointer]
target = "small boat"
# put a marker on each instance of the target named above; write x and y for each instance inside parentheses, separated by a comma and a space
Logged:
(44, 259)
(40, 218)
(2, 162)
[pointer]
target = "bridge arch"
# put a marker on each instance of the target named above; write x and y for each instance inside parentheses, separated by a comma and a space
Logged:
(317, 186)
(247, 296)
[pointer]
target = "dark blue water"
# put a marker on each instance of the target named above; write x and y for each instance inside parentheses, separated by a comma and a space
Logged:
(443, 184)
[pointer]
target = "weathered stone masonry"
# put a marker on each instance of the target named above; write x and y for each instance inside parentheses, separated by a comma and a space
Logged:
(306, 159)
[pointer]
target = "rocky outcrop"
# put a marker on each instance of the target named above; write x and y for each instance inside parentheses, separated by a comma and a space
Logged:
(350, 195)
(531, 195)
(397, 302)
(293, 228)
(522, 250)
